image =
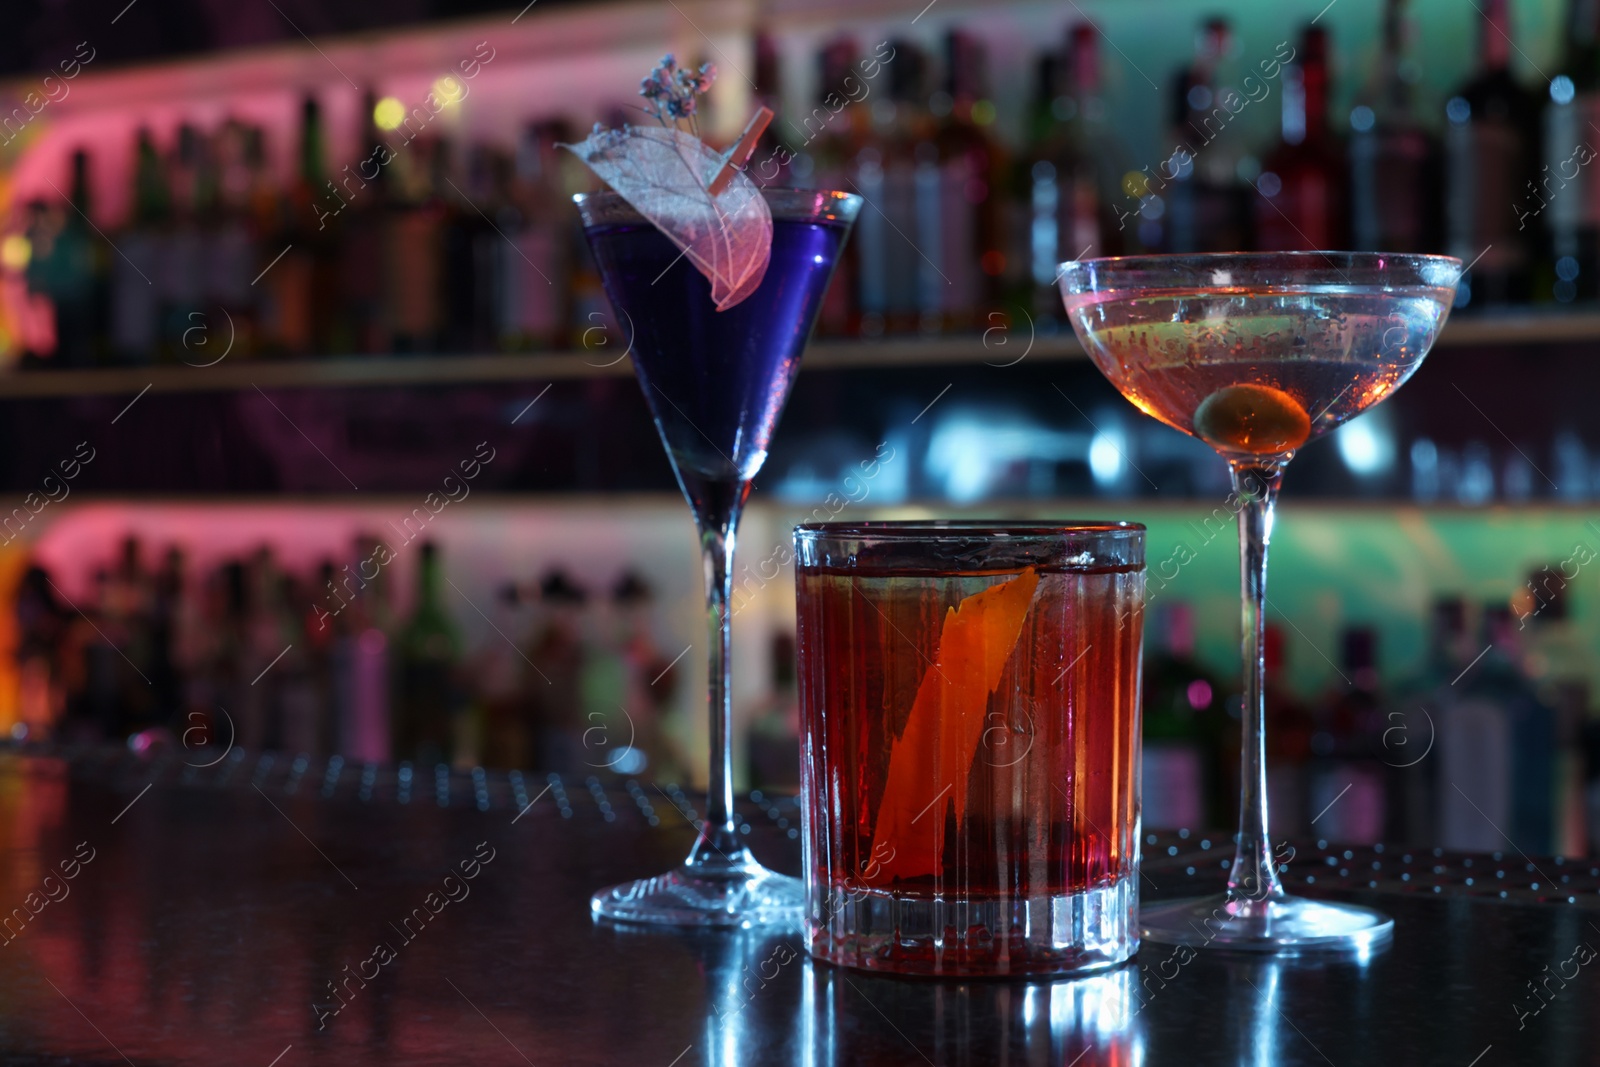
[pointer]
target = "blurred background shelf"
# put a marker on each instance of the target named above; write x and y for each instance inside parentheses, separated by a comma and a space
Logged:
(1001, 349)
(424, 370)
(1407, 536)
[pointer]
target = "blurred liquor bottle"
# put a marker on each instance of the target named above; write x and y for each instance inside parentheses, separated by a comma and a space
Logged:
(94, 707)
(1303, 181)
(127, 602)
(536, 263)
(770, 161)
(363, 658)
(471, 251)
(1394, 160)
(223, 650)
(1418, 711)
(135, 300)
(1555, 663)
(897, 170)
(593, 326)
(620, 727)
(556, 650)
(179, 287)
(502, 686)
(181, 633)
(265, 222)
(607, 720)
(1088, 218)
(1179, 694)
(1348, 777)
(30, 313)
(825, 139)
(301, 704)
(301, 286)
(1207, 207)
(430, 690)
(321, 630)
(1571, 700)
(1562, 207)
(1168, 193)
(42, 655)
(1531, 730)
(774, 740)
(227, 253)
(271, 634)
(76, 266)
(1590, 756)
(413, 248)
(650, 680)
(1491, 140)
(825, 144)
(1476, 737)
(1037, 188)
(1058, 196)
(1290, 729)
(959, 217)
(364, 186)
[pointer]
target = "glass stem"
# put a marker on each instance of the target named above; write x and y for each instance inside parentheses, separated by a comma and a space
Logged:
(719, 846)
(1253, 874)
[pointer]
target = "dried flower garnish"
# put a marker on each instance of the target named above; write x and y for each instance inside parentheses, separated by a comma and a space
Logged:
(696, 196)
(674, 92)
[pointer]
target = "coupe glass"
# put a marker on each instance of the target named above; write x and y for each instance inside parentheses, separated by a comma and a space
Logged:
(1256, 355)
(715, 382)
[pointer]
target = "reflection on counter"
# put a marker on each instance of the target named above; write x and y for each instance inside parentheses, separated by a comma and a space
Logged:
(1092, 1021)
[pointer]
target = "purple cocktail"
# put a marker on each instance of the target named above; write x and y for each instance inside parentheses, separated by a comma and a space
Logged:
(716, 382)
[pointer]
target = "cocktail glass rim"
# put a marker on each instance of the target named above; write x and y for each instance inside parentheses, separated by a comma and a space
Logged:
(1167, 260)
(964, 529)
(608, 207)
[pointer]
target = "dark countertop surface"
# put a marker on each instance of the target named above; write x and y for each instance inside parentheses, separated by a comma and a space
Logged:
(217, 905)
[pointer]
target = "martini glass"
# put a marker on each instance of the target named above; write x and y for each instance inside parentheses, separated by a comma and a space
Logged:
(716, 382)
(1256, 355)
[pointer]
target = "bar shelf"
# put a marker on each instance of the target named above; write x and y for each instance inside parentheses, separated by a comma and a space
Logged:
(966, 351)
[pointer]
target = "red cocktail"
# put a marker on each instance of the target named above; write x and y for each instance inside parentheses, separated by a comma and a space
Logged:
(969, 702)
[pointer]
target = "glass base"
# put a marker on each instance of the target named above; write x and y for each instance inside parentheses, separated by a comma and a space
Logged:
(1284, 925)
(739, 896)
(966, 937)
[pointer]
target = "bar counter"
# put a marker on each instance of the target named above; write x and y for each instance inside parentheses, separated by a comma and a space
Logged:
(274, 913)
